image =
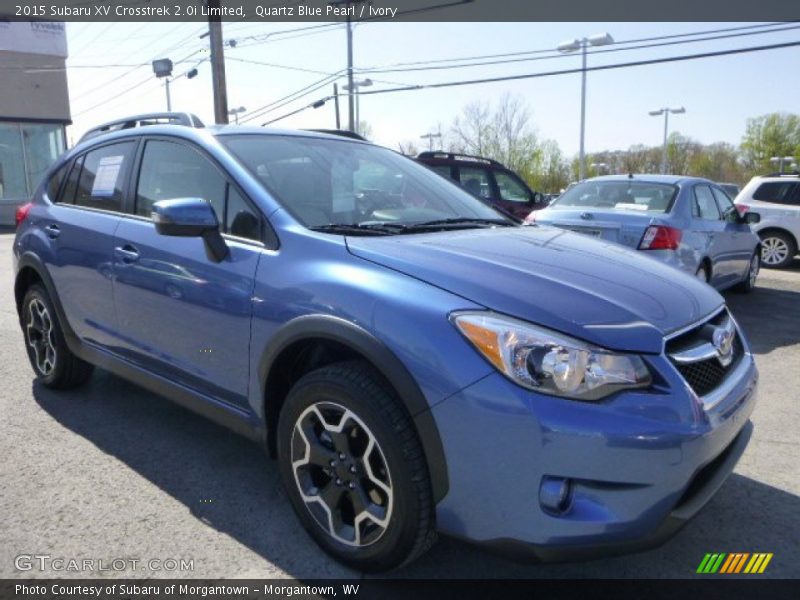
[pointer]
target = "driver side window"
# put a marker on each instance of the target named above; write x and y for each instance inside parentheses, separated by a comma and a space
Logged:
(726, 206)
(510, 188)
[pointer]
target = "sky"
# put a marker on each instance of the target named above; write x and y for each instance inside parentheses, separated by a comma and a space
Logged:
(719, 93)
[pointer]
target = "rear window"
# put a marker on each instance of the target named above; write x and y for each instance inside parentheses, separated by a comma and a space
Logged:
(55, 181)
(632, 196)
(779, 192)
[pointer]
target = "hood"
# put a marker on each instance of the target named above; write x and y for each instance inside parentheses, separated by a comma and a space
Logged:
(598, 291)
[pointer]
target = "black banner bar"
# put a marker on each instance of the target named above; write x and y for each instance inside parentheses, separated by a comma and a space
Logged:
(713, 587)
(271, 11)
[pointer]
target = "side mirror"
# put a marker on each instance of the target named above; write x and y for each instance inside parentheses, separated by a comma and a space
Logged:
(191, 217)
(538, 198)
(751, 218)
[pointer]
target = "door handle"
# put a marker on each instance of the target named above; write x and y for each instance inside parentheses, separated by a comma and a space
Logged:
(127, 253)
(52, 231)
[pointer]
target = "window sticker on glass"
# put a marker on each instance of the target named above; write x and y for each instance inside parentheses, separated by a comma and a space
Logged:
(105, 180)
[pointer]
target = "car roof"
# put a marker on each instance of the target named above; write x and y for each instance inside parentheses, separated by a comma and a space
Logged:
(652, 178)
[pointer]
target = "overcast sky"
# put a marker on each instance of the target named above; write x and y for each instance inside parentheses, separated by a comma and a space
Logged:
(719, 93)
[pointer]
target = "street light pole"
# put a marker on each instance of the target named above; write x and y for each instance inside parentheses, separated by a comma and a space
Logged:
(582, 155)
(665, 111)
(169, 101)
(599, 39)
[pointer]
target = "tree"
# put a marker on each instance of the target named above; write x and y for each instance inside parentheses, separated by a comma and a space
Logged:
(408, 148)
(549, 169)
(718, 162)
(503, 134)
(774, 134)
(680, 149)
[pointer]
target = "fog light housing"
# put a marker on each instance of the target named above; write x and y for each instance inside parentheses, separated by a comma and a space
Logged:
(555, 494)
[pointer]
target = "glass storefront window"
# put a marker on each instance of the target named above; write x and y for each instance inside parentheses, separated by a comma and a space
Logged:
(43, 145)
(26, 152)
(13, 183)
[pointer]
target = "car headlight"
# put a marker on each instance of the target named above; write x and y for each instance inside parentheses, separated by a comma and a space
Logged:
(549, 362)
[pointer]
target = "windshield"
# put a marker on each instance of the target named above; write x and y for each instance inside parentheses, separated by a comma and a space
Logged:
(325, 182)
(619, 195)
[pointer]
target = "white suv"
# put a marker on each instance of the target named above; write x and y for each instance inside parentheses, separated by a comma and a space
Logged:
(777, 199)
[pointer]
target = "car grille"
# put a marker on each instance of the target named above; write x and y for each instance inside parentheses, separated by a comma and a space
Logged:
(699, 361)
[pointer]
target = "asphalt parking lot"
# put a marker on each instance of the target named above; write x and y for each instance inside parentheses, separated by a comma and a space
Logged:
(111, 471)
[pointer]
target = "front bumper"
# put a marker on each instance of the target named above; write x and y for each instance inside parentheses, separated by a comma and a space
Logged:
(640, 464)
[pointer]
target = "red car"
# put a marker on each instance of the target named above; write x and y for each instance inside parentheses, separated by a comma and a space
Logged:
(488, 180)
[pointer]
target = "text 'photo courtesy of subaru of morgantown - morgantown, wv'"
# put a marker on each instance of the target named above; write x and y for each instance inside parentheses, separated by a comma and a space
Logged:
(374, 325)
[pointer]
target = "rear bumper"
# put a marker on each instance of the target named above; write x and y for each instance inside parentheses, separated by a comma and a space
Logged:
(639, 465)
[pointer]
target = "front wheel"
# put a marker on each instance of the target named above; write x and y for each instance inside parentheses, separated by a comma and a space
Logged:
(354, 468)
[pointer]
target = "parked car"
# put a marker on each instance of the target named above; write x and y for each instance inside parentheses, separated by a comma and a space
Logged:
(777, 199)
(686, 222)
(415, 361)
(486, 179)
(730, 188)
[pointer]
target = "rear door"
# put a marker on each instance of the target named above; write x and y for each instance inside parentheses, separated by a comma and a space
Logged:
(185, 316)
(80, 229)
(477, 182)
(738, 238)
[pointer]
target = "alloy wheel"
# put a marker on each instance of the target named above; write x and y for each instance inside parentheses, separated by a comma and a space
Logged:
(774, 251)
(39, 332)
(341, 474)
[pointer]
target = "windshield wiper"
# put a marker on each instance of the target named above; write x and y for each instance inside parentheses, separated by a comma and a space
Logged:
(458, 223)
(356, 228)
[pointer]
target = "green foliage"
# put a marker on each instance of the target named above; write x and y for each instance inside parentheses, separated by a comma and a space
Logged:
(505, 133)
(775, 134)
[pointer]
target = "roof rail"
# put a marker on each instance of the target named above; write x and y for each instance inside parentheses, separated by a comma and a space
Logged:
(784, 174)
(457, 156)
(341, 132)
(162, 118)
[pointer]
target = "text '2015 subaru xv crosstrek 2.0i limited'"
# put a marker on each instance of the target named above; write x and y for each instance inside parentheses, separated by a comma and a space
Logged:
(415, 361)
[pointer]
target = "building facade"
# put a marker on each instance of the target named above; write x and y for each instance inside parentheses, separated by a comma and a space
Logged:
(34, 107)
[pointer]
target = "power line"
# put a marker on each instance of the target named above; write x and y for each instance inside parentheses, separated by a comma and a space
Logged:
(558, 55)
(289, 98)
(550, 50)
(144, 64)
(131, 88)
(638, 63)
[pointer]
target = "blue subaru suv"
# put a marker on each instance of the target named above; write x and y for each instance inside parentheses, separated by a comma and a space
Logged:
(414, 361)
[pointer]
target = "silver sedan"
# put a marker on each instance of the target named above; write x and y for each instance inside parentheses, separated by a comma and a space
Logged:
(687, 222)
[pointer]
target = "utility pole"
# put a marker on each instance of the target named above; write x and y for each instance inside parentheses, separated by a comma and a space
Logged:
(336, 103)
(217, 64)
(350, 89)
(429, 137)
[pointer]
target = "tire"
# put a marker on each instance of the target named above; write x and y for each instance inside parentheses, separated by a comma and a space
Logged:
(321, 468)
(749, 283)
(777, 249)
(53, 362)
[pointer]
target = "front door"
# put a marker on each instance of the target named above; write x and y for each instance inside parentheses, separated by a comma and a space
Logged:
(185, 316)
(709, 227)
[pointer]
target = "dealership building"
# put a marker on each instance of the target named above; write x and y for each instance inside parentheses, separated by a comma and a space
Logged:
(34, 107)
